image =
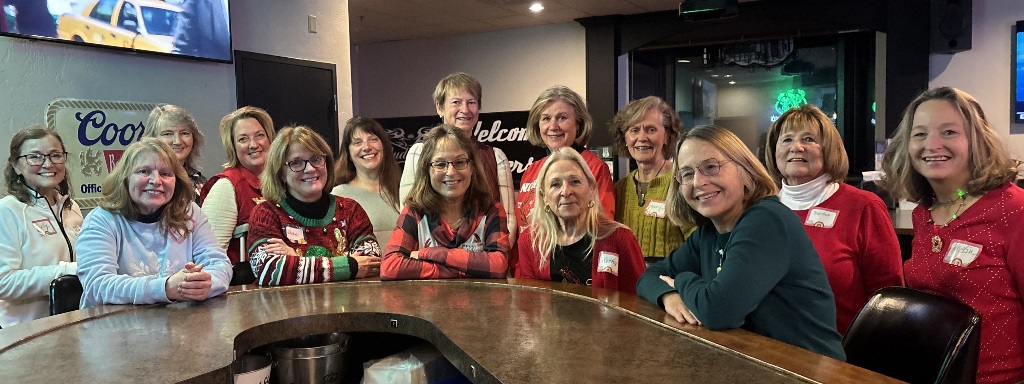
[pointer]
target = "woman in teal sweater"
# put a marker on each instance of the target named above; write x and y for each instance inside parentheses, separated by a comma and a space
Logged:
(750, 263)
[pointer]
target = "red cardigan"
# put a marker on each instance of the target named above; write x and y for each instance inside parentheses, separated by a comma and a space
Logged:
(621, 242)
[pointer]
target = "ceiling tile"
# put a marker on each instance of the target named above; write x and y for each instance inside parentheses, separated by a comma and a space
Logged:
(514, 21)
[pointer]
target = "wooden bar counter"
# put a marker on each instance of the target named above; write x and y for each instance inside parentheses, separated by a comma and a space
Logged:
(512, 331)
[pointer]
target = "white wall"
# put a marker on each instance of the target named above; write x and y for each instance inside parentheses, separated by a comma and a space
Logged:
(984, 71)
(33, 73)
(398, 78)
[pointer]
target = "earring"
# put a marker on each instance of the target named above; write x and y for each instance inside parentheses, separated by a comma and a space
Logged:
(591, 205)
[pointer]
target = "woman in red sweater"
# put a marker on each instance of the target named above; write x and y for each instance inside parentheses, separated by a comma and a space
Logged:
(968, 238)
(850, 228)
(570, 238)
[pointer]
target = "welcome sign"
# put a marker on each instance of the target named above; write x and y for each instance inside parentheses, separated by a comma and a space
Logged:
(95, 135)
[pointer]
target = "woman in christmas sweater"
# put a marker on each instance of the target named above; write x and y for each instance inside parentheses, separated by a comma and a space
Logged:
(40, 222)
(302, 234)
(850, 228)
(968, 238)
(148, 242)
(570, 239)
(559, 118)
(647, 131)
(450, 226)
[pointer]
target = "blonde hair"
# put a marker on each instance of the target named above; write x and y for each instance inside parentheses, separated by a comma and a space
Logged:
(544, 225)
(423, 198)
(176, 213)
(584, 123)
(757, 184)
(272, 178)
(227, 129)
(457, 81)
(634, 111)
(835, 163)
(169, 115)
(989, 165)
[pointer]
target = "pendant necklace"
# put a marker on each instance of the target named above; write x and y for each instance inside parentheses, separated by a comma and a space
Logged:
(641, 187)
(936, 240)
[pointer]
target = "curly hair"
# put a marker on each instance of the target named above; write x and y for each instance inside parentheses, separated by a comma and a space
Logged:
(544, 225)
(227, 129)
(16, 183)
(390, 174)
(117, 196)
(584, 123)
(757, 184)
(989, 163)
(167, 116)
(835, 162)
(634, 111)
(272, 178)
(423, 198)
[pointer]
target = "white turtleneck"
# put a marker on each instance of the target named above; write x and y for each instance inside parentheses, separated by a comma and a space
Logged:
(807, 195)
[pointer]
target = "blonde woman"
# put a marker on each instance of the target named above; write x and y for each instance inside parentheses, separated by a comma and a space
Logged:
(176, 127)
(570, 238)
(148, 242)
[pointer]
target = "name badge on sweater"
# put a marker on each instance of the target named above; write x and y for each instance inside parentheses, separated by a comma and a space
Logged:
(295, 234)
(821, 218)
(655, 208)
(44, 227)
(608, 263)
(962, 253)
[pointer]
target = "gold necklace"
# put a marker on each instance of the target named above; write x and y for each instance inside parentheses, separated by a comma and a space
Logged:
(641, 186)
(936, 240)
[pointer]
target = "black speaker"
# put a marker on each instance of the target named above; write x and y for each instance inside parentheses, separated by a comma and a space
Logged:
(951, 26)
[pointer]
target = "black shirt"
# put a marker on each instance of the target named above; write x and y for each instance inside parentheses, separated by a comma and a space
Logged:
(573, 260)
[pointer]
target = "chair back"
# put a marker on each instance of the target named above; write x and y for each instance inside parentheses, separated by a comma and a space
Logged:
(65, 294)
(916, 337)
(241, 272)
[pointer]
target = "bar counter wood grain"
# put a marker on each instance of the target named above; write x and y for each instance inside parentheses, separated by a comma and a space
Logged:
(513, 331)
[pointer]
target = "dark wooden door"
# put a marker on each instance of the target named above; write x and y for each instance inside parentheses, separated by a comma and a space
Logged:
(293, 91)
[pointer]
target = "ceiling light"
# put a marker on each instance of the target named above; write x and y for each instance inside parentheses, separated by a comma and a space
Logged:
(732, 82)
(728, 75)
(536, 7)
(683, 61)
(714, 75)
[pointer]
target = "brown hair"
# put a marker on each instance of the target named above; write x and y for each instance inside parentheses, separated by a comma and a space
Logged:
(423, 198)
(457, 81)
(634, 111)
(227, 129)
(176, 214)
(544, 225)
(989, 165)
(16, 183)
(272, 182)
(584, 123)
(168, 115)
(833, 153)
(390, 174)
(757, 184)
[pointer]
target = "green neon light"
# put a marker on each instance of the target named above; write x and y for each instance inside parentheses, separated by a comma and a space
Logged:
(792, 98)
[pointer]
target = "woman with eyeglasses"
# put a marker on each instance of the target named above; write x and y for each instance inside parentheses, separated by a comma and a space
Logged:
(176, 127)
(750, 263)
(40, 223)
(450, 226)
(302, 234)
(850, 228)
(368, 173)
(646, 130)
(570, 238)
(148, 242)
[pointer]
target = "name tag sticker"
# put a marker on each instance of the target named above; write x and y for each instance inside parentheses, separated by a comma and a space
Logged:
(821, 218)
(962, 253)
(295, 234)
(608, 263)
(655, 208)
(44, 227)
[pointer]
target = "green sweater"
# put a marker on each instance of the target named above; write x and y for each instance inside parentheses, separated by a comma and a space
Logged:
(771, 280)
(657, 235)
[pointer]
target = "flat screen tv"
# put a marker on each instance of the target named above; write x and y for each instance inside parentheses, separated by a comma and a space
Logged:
(192, 28)
(1017, 94)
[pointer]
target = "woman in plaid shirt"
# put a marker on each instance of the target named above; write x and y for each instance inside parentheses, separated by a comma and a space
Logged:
(450, 226)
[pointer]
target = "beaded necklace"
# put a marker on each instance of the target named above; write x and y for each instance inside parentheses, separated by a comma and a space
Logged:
(960, 195)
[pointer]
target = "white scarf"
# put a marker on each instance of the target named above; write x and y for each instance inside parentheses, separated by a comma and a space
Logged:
(807, 195)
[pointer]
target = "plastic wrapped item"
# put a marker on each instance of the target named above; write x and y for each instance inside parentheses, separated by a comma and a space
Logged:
(422, 364)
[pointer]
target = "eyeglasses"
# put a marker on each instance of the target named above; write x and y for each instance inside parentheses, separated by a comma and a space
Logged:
(442, 166)
(39, 159)
(709, 167)
(317, 161)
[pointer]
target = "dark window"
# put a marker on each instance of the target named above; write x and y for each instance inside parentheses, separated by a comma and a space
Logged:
(103, 11)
